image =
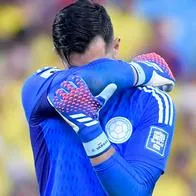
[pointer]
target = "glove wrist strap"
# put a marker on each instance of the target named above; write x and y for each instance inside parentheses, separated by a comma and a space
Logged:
(141, 76)
(97, 146)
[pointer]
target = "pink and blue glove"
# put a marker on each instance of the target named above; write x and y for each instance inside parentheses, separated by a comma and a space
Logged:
(73, 100)
(152, 70)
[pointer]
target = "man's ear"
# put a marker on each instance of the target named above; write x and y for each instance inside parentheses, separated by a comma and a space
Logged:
(116, 46)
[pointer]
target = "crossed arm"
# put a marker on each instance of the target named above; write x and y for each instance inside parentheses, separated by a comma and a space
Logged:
(148, 69)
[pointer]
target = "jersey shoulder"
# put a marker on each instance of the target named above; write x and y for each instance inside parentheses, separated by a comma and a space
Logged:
(156, 105)
(35, 86)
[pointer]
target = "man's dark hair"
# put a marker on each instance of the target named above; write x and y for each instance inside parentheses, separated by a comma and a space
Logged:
(76, 25)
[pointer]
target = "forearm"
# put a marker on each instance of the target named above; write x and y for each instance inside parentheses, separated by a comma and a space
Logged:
(118, 177)
(102, 72)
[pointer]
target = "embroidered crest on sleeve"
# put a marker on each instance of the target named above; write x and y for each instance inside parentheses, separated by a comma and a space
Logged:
(119, 130)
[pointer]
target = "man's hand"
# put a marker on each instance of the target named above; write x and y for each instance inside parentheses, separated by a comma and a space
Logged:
(73, 100)
(153, 70)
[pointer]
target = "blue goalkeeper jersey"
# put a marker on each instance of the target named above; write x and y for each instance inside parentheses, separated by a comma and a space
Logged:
(139, 122)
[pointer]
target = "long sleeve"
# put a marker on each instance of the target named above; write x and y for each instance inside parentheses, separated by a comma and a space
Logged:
(102, 72)
(119, 177)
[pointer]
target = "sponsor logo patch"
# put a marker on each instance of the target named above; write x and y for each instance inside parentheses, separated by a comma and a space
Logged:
(157, 140)
(119, 130)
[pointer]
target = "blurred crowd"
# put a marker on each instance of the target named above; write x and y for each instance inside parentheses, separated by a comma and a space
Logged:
(163, 26)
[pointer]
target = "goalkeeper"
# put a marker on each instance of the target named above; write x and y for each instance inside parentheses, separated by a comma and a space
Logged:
(115, 143)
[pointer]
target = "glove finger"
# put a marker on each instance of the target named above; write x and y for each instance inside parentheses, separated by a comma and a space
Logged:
(108, 91)
(56, 101)
(68, 86)
(77, 81)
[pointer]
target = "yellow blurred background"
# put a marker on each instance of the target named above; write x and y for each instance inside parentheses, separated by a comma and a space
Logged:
(158, 26)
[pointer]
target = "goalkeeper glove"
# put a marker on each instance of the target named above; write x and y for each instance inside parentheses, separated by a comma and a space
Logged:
(73, 100)
(153, 70)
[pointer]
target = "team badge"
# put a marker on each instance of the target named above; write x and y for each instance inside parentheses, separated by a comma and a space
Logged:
(157, 140)
(119, 130)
